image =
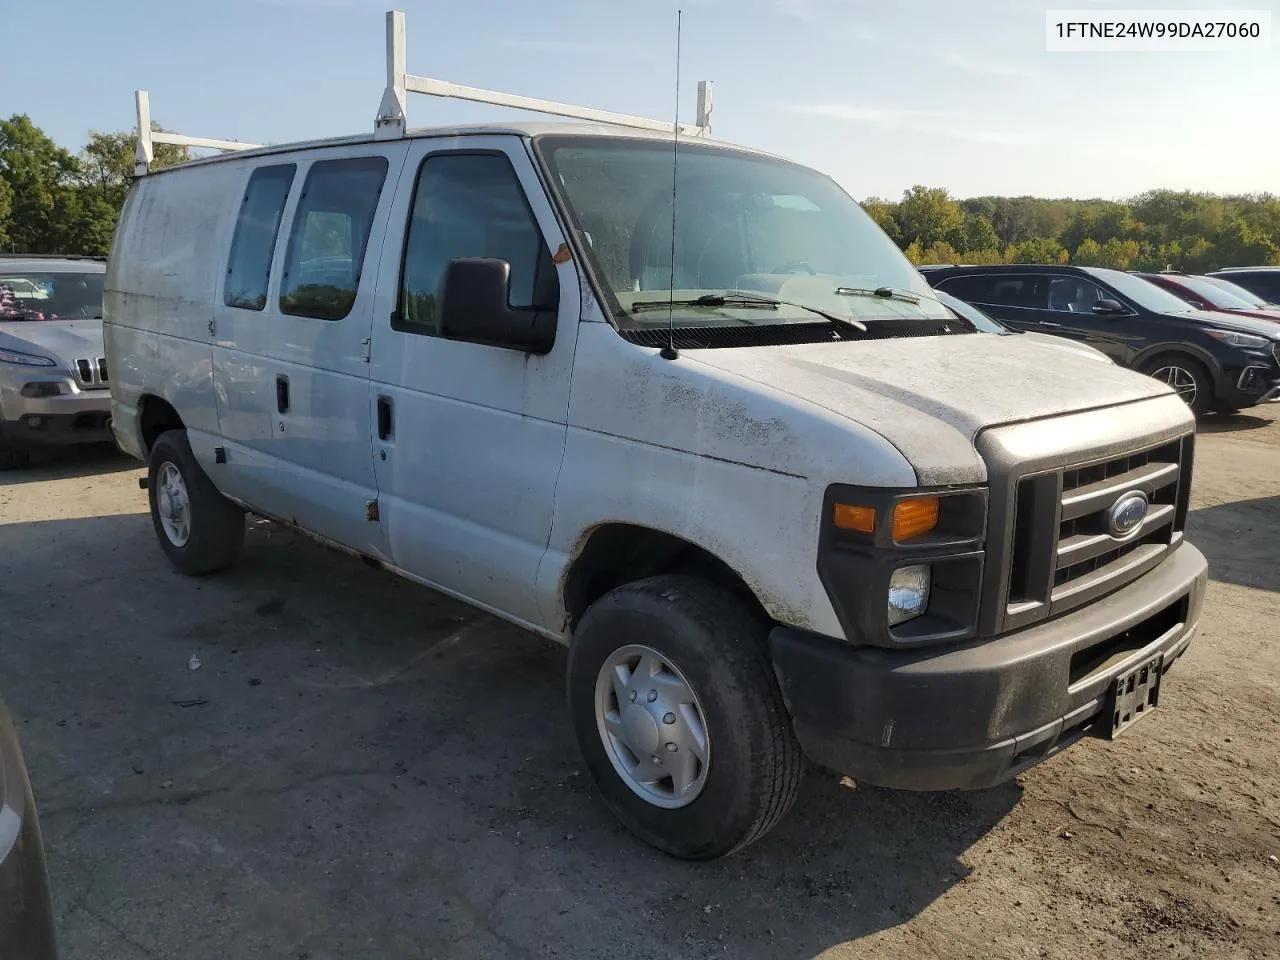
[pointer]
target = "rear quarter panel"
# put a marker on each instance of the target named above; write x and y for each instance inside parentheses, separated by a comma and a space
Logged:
(169, 250)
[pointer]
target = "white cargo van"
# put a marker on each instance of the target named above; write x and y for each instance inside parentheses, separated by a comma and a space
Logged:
(775, 498)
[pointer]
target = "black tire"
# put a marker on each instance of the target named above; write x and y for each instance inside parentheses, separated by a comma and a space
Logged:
(720, 647)
(215, 524)
(1203, 399)
(11, 457)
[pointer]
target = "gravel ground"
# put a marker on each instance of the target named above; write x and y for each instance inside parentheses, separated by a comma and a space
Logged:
(363, 768)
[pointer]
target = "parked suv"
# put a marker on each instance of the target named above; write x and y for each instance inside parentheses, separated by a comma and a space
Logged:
(774, 497)
(1213, 293)
(1215, 361)
(1264, 281)
(26, 912)
(53, 368)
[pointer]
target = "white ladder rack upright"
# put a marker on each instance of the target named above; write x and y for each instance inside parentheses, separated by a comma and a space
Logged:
(147, 138)
(390, 122)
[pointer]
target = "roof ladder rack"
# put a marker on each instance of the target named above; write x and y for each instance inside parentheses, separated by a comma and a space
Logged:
(390, 122)
(148, 137)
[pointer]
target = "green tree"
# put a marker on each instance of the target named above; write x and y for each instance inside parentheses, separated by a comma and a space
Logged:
(1236, 245)
(914, 252)
(1088, 253)
(939, 252)
(1119, 254)
(40, 177)
(881, 211)
(928, 214)
(974, 233)
(1036, 250)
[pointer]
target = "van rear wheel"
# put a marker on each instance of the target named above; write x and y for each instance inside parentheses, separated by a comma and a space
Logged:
(679, 717)
(199, 529)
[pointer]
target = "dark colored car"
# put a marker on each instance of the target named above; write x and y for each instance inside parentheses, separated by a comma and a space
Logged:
(1262, 281)
(26, 913)
(1215, 361)
(1212, 293)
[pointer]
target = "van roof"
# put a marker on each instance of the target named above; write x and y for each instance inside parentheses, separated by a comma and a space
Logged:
(525, 129)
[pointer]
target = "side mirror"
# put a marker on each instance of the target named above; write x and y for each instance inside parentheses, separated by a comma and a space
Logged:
(474, 306)
(1109, 307)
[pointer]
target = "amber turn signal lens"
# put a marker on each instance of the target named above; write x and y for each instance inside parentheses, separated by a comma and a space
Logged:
(858, 519)
(914, 517)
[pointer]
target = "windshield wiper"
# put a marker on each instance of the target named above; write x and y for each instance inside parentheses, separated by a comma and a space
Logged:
(708, 300)
(883, 293)
(751, 301)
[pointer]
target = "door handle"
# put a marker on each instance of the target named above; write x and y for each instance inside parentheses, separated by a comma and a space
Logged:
(384, 418)
(282, 394)
(1049, 323)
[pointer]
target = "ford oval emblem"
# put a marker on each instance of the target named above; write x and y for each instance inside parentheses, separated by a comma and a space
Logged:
(1126, 515)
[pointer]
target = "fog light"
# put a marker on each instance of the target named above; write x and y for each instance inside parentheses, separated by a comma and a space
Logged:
(908, 593)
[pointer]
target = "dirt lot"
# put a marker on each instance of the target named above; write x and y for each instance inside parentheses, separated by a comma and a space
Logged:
(361, 768)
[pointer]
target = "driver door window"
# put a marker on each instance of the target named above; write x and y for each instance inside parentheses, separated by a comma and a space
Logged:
(468, 205)
(1074, 295)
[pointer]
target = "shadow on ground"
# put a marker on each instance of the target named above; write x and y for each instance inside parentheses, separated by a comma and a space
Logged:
(360, 766)
(1231, 423)
(1239, 541)
(65, 463)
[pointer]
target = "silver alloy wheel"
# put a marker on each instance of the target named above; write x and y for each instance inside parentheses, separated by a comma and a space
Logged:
(173, 504)
(1182, 380)
(652, 726)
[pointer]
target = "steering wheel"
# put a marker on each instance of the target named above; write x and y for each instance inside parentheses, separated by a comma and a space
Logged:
(795, 266)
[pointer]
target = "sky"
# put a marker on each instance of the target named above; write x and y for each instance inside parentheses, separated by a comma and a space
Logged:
(881, 95)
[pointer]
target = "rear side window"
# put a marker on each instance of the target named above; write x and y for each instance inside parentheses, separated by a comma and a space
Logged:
(249, 265)
(1008, 290)
(329, 236)
(469, 205)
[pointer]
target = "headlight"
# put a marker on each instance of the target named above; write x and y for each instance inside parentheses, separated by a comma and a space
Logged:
(1236, 339)
(26, 359)
(908, 593)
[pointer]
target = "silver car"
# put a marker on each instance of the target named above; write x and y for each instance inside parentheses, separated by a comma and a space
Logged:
(53, 369)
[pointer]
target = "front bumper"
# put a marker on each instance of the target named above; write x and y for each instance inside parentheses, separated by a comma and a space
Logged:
(74, 415)
(974, 714)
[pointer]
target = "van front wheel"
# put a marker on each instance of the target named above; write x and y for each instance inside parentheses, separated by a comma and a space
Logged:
(679, 716)
(199, 529)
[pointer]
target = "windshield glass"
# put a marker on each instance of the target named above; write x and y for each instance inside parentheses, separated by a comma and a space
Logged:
(1213, 293)
(1235, 290)
(32, 295)
(1142, 292)
(742, 223)
(971, 313)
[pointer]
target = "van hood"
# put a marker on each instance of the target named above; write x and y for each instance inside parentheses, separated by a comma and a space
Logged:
(64, 340)
(931, 396)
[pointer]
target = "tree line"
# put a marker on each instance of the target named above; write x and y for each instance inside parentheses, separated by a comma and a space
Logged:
(1182, 230)
(56, 201)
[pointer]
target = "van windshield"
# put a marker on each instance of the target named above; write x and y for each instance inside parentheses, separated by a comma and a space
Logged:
(32, 295)
(765, 229)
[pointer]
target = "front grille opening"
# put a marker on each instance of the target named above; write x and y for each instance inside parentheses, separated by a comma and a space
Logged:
(102, 369)
(1086, 567)
(1106, 653)
(1097, 472)
(85, 370)
(1024, 522)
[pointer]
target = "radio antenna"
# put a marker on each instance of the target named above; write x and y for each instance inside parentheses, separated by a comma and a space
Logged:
(669, 351)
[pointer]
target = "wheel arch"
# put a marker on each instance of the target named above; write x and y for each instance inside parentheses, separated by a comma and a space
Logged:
(156, 415)
(614, 553)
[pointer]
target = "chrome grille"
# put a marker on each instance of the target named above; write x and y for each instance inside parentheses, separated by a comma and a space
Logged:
(91, 371)
(1064, 553)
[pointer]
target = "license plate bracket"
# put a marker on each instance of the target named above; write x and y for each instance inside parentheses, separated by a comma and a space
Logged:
(1134, 694)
